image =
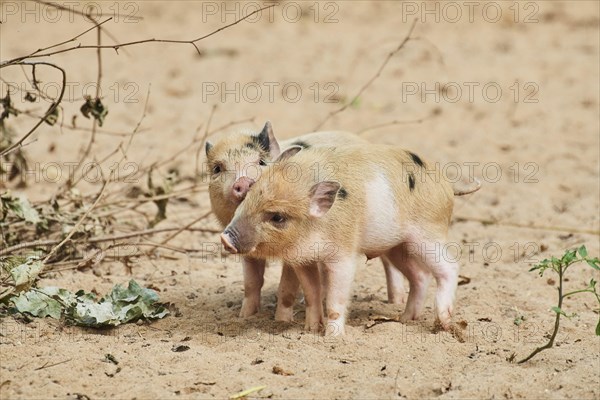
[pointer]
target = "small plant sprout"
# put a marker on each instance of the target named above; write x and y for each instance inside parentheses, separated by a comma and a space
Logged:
(560, 266)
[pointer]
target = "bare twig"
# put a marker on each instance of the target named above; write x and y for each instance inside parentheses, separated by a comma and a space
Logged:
(34, 82)
(82, 129)
(199, 150)
(52, 365)
(50, 111)
(191, 189)
(97, 98)
(97, 25)
(28, 245)
(116, 47)
(77, 225)
(111, 238)
(183, 228)
(193, 143)
(137, 126)
(88, 16)
(394, 122)
(73, 10)
(373, 78)
(123, 150)
(147, 232)
(83, 261)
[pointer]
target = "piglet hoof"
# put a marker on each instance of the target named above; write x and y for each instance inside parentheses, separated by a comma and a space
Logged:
(249, 308)
(398, 299)
(335, 328)
(284, 314)
(316, 327)
(442, 326)
(408, 315)
(443, 321)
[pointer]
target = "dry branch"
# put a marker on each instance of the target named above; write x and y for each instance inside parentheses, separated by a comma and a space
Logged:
(76, 227)
(199, 150)
(55, 104)
(392, 123)
(116, 47)
(373, 78)
(103, 239)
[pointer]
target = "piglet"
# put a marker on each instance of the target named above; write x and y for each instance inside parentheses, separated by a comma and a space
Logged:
(235, 163)
(371, 200)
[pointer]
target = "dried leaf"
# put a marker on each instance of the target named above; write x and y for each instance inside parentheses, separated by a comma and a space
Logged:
(121, 305)
(18, 274)
(39, 303)
(95, 108)
(20, 207)
(51, 118)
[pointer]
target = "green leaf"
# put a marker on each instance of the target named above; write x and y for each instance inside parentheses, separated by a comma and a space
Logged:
(558, 310)
(598, 328)
(582, 251)
(594, 264)
(569, 257)
(355, 102)
(538, 266)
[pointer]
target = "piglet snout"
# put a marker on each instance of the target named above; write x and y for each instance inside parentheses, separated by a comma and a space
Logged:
(241, 187)
(227, 243)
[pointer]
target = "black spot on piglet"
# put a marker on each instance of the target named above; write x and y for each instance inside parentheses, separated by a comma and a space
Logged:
(416, 159)
(411, 181)
(261, 141)
(301, 143)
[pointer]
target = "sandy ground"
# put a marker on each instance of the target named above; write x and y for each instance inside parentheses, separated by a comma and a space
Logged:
(540, 133)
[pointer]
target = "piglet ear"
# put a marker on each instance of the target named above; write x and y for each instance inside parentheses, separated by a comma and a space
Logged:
(287, 153)
(207, 147)
(322, 197)
(266, 140)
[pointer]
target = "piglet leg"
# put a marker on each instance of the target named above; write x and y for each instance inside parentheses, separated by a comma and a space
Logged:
(309, 278)
(395, 282)
(418, 277)
(286, 294)
(254, 271)
(445, 272)
(340, 275)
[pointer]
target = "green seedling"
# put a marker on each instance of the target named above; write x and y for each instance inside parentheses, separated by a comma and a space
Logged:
(560, 266)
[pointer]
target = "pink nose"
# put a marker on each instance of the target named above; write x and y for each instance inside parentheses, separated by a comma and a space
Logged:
(241, 187)
(226, 240)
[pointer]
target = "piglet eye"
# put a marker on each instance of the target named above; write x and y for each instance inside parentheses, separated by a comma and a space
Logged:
(277, 218)
(216, 169)
(262, 163)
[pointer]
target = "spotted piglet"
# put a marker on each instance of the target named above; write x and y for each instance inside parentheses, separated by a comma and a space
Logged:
(235, 163)
(371, 200)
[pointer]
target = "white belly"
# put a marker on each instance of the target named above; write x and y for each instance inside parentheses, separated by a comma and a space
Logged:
(382, 225)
